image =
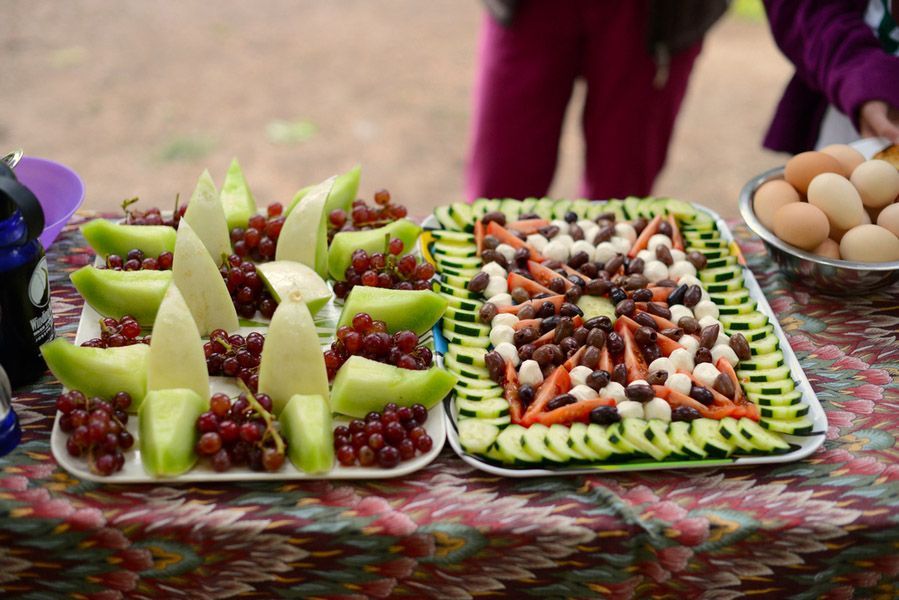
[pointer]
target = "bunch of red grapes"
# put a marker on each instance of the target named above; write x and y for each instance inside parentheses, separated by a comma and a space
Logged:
(153, 216)
(235, 356)
(259, 239)
(241, 432)
(384, 438)
(385, 270)
(97, 429)
(115, 333)
(135, 260)
(362, 216)
(369, 338)
(246, 288)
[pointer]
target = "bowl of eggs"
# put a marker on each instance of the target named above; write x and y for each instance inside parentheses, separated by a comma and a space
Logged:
(830, 218)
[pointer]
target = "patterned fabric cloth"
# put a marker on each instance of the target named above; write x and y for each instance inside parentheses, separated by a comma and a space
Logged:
(824, 527)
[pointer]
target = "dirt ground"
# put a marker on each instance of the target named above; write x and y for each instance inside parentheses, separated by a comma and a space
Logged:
(139, 97)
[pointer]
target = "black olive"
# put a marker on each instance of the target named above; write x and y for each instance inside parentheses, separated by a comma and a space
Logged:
(604, 415)
(616, 295)
(598, 379)
(685, 413)
(677, 296)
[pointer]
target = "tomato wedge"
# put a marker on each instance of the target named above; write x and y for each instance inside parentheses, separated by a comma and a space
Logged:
(575, 272)
(510, 393)
(666, 344)
(545, 275)
(633, 360)
(677, 239)
(676, 399)
(570, 413)
(507, 237)
(605, 360)
(642, 240)
(557, 383)
(556, 301)
(743, 403)
(479, 236)
(529, 285)
(527, 226)
(575, 359)
(660, 293)
(526, 323)
(720, 399)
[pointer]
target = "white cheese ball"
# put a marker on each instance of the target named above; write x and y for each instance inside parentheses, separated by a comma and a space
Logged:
(677, 255)
(681, 268)
(496, 285)
(509, 353)
(689, 280)
(646, 256)
(626, 231)
(501, 334)
(564, 239)
(661, 364)
(705, 308)
(500, 300)
(562, 225)
(494, 270)
(655, 270)
(615, 391)
(507, 319)
(604, 252)
(590, 231)
(621, 244)
(585, 223)
(507, 251)
(679, 382)
(583, 392)
(690, 344)
(638, 382)
(537, 241)
(628, 409)
(556, 251)
(529, 373)
(726, 352)
(706, 373)
(657, 409)
(679, 311)
(579, 375)
(659, 239)
(709, 320)
(682, 359)
(583, 246)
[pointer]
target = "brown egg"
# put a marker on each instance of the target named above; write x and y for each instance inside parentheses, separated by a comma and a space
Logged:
(837, 234)
(869, 243)
(847, 156)
(770, 196)
(877, 182)
(889, 218)
(828, 249)
(839, 200)
(802, 168)
(801, 224)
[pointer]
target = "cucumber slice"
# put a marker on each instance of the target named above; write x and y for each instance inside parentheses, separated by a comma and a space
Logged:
(689, 236)
(737, 309)
(631, 208)
(558, 439)
(784, 413)
(577, 438)
(763, 440)
(765, 375)
(730, 285)
(478, 394)
(459, 262)
(682, 441)
(452, 237)
(706, 435)
(769, 388)
(722, 261)
(511, 208)
(767, 361)
(579, 207)
(500, 422)
(765, 345)
(635, 432)
(467, 272)
(460, 212)
(463, 370)
(754, 335)
(801, 426)
(657, 434)
(466, 355)
(463, 316)
(476, 436)
(442, 214)
(465, 328)
(450, 250)
(457, 281)
(462, 303)
(703, 244)
(560, 207)
(534, 442)
(730, 298)
(474, 383)
(684, 211)
(544, 208)
(711, 253)
(482, 206)
(785, 399)
(597, 439)
(527, 205)
(753, 320)
(489, 408)
(466, 340)
(510, 448)
(459, 292)
(730, 429)
(619, 443)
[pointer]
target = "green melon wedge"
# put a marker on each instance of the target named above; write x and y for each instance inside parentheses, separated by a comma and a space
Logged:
(416, 310)
(306, 425)
(168, 431)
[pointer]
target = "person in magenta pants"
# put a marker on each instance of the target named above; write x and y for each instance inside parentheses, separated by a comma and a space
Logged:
(635, 57)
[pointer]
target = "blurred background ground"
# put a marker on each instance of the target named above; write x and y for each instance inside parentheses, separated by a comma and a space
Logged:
(139, 97)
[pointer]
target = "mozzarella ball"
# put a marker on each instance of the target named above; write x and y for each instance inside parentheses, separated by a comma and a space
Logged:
(677, 255)
(562, 225)
(655, 270)
(681, 268)
(529, 373)
(537, 241)
(627, 231)
(646, 255)
(500, 300)
(657, 240)
(709, 320)
(705, 308)
(726, 352)
(679, 382)
(604, 252)
(628, 409)
(564, 239)
(706, 373)
(657, 409)
(496, 285)
(690, 344)
(678, 311)
(583, 246)
(556, 251)
(689, 280)
(501, 334)
(509, 353)
(681, 359)
(507, 319)
(661, 364)
(494, 270)
(507, 251)
(583, 392)
(590, 232)
(579, 375)
(585, 223)
(615, 391)
(621, 244)
(638, 382)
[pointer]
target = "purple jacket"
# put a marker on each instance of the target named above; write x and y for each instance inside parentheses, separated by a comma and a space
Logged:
(838, 61)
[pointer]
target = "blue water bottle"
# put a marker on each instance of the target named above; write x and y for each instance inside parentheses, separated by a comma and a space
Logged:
(26, 321)
(10, 432)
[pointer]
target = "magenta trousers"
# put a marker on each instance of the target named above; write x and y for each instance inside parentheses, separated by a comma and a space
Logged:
(525, 79)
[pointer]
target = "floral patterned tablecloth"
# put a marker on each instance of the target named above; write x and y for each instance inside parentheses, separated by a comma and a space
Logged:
(827, 526)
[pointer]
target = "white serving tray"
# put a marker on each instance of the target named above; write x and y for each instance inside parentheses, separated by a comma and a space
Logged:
(803, 445)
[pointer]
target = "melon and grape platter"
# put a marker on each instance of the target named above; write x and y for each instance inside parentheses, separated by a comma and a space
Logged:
(332, 336)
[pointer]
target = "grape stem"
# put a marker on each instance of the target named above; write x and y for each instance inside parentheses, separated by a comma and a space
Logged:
(266, 416)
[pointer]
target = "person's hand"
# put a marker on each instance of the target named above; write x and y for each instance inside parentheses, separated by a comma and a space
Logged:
(876, 119)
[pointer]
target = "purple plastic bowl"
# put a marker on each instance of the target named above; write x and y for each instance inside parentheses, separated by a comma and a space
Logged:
(57, 187)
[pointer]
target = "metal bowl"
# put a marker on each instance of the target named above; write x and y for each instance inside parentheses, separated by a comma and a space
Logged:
(830, 276)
